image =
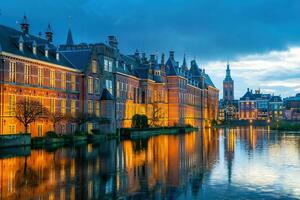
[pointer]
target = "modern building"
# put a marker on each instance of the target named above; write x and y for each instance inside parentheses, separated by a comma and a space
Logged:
(98, 81)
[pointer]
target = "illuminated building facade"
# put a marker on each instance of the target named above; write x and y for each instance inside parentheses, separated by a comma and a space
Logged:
(32, 68)
(260, 106)
(228, 106)
(292, 107)
(98, 80)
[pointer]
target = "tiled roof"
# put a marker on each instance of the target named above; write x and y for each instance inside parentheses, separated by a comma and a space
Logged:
(9, 41)
(208, 81)
(80, 59)
(248, 96)
(194, 70)
(275, 99)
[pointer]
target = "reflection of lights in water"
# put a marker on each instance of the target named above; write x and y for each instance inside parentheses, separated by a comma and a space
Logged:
(163, 161)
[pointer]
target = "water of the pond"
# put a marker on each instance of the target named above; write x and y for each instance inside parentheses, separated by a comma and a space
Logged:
(240, 163)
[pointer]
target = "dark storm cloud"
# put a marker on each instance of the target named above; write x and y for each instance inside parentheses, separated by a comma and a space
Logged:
(207, 29)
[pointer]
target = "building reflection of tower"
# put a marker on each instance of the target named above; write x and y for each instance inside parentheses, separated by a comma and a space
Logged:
(229, 145)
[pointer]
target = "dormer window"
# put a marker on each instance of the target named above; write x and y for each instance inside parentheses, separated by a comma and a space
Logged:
(21, 43)
(34, 47)
(21, 46)
(46, 50)
(34, 50)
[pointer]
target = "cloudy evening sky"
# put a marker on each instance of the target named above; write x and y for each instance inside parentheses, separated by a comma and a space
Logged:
(261, 38)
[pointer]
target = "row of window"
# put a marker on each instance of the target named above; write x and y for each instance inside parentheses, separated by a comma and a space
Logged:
(94, 105)
(94, 85)
(53, 102)
(28, 73)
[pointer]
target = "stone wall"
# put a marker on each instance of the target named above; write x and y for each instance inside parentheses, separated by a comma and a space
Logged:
(12, 140)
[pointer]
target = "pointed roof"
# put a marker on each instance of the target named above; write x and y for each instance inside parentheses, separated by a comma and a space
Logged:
(194, 70)
(184, 65)
(248, 95)
(69, 38)
(106, 95)
(49, 29)
(228, 76)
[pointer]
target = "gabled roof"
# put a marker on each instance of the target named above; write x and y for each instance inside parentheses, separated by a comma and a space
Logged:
(9, 41)
(248, 96)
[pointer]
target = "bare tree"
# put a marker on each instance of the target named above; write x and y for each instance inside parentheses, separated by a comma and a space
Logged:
(27, 111)
(156, 115)
(55, 118)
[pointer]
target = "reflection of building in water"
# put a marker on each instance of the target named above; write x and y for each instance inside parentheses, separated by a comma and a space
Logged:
(229, 145)
(166, 164)
(79, 173)
(161, 166)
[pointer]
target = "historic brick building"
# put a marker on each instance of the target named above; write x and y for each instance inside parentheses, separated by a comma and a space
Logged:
(99, 81)
(32, 68)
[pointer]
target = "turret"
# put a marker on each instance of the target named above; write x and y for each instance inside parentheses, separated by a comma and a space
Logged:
(49, 33)
(25, 25)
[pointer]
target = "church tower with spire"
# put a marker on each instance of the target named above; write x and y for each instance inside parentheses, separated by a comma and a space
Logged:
(228, 87)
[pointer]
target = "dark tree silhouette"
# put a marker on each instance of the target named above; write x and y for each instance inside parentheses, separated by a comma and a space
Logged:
(28, 111)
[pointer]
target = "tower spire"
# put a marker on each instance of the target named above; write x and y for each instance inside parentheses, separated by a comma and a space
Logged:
(228, 76)
(69, 38)
(184, 65)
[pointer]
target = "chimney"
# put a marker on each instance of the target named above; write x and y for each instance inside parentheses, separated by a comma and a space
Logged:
(113, 42)
(25, 25)
(49, 33)
(172, 55)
